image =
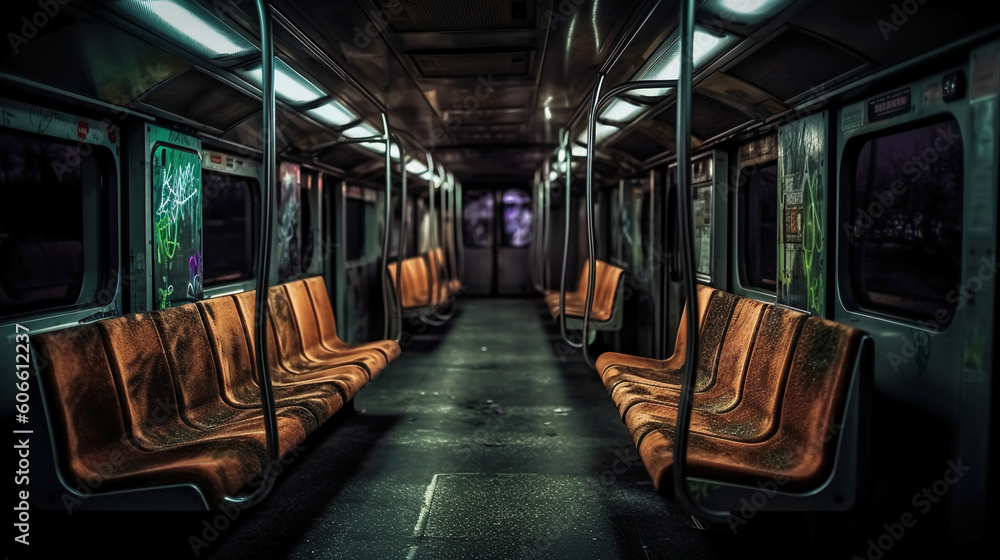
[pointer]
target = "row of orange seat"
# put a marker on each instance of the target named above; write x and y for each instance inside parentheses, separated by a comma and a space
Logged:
(425, 284)
(770, 390)
(171, 397)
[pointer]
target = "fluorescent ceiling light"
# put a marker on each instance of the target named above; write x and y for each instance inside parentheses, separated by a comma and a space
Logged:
(744, 6)
(289, 85)
(416, 167)
(190, 25)
(620, 110)
(379, 147)
(361, 131)
(665, 64)
(333, 113)
(601, 132)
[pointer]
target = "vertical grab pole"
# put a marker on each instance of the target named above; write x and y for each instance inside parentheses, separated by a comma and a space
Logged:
(432, 239)
(387, 226)
(445, 242)
(260, 318)
(400, 247)
(684, 93)
(546, 208)
(452, 225)
(460, 230)
(562, 280)
(536, 242)
(592, 269)
(442, 228)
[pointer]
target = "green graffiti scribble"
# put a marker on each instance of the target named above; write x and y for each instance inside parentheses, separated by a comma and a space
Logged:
(700, 490)
(164, 294)
(813, 240)
(165, 231)
(178, 191)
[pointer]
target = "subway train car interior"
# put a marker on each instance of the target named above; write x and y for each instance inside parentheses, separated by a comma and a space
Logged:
(500, 279)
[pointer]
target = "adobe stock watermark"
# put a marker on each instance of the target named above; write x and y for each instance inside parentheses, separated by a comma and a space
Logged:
(625, 459)
(33, 23)
(163, 411)
(770, 488)
(462, 110)
(960, 296)
(899, 15)
(228, 512)
(922, 501)
(914, 168)
(485, 435)
(562, 13)
(363, 36)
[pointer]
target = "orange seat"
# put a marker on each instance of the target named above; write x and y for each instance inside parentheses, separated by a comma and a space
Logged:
(290, 303)
(607, 281)
(327, 324)
(414, 283)
(800, 450)
(747, 410)
(615, 368)
(349, 378)
(236, 367)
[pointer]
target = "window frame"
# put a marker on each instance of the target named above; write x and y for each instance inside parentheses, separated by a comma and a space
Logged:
(854, 300)
(741, 181)
(242, 167)
(23, 119)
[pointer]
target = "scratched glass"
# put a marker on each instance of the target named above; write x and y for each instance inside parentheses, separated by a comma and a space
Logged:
(177, 218)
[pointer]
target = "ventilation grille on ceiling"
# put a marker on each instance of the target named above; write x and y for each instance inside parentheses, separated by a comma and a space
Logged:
(201, 98)
(639, 145)
(710, 118)
(346, 157)
(463, 15)
(463, 64)
(793, 63)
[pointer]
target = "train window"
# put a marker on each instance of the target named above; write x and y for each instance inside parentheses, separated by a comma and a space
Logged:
(310, 189)
(517, 218)
(230, 217)
(290, 218)
(477, 217)
(758, 206)
(701, 211)
(54, 224)
(905, 223)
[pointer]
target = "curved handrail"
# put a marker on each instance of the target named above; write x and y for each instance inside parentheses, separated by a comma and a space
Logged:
(592, 267)
(460, 230)
(684, 93)
(400, 248)
(264, 265)
(387, 225)
(535, 227)
(546, 218)
(564, 141)
(598, 103)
